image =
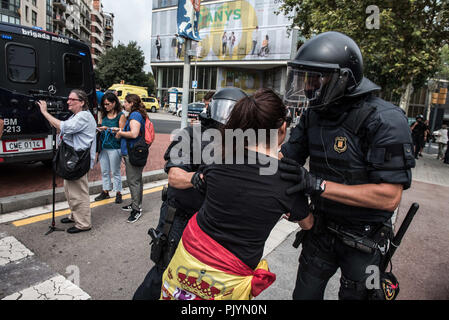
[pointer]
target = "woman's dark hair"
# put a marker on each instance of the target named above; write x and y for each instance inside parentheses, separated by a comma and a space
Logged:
(137, 104)
(83, 97)
(111, 97)
(208, 95)
(264, 110)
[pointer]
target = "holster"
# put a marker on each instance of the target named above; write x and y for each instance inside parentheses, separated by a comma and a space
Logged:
(368, 243)
(162, 249)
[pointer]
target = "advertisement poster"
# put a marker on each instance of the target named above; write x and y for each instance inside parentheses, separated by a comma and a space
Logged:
(232, 30)
(188, 18)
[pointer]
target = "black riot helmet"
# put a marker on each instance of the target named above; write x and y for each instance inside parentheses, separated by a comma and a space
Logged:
(221, 105)
(325, 69)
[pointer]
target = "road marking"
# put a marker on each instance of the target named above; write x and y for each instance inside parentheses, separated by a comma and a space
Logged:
(12, 250)
(47, 216)
(56, 288)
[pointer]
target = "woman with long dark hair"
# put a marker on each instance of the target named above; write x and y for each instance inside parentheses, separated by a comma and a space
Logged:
(219, 256)
(110, 155)
(134, 128)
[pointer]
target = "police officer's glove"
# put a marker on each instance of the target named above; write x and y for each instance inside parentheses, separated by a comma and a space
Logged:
(306, 182)
(198, 183)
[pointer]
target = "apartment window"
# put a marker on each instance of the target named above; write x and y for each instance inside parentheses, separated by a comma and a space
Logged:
(34, 18)
(21, 63)
(27, 18)
(73, 71)
(34, 3)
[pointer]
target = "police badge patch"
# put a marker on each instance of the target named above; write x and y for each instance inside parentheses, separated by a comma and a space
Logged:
(341, 144)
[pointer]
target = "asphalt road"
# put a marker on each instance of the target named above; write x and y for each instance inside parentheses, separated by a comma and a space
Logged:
(112, 258)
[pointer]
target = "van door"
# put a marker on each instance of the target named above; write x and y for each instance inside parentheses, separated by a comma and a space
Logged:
(72, 69)
(25, 69)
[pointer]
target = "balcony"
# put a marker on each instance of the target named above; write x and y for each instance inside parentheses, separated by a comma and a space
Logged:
(61, 4)
(59, 19)
(86, 28)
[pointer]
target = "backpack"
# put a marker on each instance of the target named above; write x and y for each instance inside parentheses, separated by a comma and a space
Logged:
(138, 154)
(149, 132)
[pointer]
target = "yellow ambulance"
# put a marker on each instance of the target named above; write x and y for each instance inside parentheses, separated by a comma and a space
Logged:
(123, 89)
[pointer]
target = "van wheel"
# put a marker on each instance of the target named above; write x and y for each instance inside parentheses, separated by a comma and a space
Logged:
(153, 109)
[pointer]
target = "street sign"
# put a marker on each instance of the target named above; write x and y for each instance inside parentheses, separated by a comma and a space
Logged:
(194, 84)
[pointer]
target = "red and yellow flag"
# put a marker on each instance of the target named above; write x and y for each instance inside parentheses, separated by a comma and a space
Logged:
(202, 269)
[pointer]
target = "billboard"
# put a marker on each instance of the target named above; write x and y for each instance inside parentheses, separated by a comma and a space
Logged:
(188, 18)
(230, 30)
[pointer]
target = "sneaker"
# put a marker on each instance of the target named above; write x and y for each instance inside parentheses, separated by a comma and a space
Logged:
(118, 198)
(129, 208)
(134, 216)
(103, 195)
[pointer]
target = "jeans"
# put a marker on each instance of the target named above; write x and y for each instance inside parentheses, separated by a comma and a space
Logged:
(135, 183)
(110, 160)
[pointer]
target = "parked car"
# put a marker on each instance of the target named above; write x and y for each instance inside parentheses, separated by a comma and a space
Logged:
(193, 110)
(151, 104)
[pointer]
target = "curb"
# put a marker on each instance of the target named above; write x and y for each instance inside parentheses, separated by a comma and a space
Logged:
(45, 197)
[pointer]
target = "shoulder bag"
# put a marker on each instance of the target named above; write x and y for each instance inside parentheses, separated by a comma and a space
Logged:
(70, 164)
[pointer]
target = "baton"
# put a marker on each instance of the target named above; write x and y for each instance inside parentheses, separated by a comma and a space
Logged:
(396, 242)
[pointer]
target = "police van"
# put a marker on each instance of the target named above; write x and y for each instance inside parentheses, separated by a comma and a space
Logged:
(38, 65)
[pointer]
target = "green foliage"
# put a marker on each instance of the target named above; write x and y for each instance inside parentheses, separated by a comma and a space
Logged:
(443, 71)
(124, 63)
(404, 49)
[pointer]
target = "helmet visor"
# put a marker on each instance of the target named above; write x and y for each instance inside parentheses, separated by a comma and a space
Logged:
(220, 109)
(313, 88)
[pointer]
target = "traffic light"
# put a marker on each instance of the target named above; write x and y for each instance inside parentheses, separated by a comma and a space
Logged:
(435, 97)
(442, 96)
(439, 97)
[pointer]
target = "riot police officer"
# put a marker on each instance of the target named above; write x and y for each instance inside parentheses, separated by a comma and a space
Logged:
(360, 153)
(184, 195)
(418, 134)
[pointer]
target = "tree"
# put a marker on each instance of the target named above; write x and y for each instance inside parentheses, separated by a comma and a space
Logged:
(443, 71)
(403, 50)
(124, 63)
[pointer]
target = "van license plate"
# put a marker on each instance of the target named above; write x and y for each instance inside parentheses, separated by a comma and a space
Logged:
(23, 145)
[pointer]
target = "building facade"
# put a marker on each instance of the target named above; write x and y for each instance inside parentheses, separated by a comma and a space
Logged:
(10, 11)
(243, 44)
(82, 20)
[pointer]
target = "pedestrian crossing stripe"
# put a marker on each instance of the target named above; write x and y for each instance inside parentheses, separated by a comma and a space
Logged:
(47, 216)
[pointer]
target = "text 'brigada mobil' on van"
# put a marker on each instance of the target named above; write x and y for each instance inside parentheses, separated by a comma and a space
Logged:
(38, 65)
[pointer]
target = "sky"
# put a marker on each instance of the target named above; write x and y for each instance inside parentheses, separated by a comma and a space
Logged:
(132, 22)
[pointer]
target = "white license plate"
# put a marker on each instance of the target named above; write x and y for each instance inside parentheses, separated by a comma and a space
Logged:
(24, 145)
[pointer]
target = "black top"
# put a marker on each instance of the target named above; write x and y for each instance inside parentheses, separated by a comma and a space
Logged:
(242, 206)
(382, 149)
(419, 129)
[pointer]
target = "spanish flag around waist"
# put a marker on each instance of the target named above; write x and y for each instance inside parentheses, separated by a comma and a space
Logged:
(202, 269)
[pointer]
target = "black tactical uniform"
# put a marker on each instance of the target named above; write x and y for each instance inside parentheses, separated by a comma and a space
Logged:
(181, 204)
(351, 138)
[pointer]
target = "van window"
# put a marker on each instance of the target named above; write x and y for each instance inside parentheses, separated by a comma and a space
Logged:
(73, 70)
(21, 63)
